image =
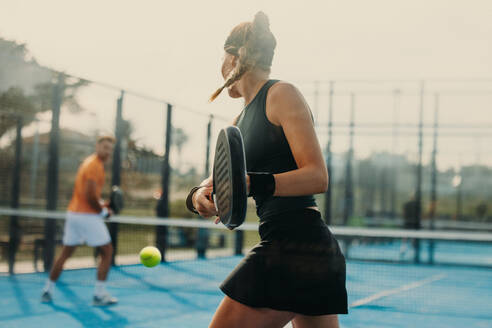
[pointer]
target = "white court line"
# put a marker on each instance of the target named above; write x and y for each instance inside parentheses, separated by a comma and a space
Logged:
(389, 292)
(403, 288)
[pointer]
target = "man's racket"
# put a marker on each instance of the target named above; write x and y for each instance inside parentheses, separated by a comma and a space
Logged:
(116, 200)
(229, 178)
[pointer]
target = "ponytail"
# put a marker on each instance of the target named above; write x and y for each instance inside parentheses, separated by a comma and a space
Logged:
(254, 45)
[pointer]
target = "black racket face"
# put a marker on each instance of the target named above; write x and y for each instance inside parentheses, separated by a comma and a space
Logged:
(116, 199)
(229, 176)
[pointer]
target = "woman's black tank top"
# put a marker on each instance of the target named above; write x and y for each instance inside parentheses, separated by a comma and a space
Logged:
(267, 150)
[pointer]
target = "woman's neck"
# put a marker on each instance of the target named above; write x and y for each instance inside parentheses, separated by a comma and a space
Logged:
(250, 84)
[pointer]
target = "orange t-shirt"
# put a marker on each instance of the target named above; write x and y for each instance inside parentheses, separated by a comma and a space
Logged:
(92, 168)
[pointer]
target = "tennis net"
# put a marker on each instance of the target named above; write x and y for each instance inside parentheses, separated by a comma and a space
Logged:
(191, 238)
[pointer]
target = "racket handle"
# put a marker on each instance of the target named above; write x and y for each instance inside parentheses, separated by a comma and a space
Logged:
(105, 213)
(214, 199)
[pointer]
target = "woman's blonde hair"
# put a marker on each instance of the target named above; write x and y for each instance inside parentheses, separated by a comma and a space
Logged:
(254, 45)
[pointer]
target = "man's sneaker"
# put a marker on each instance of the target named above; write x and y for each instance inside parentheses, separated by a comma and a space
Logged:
(104, 300)
(46, 297)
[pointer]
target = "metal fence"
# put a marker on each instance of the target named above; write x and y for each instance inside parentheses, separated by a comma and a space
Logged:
(398, 152)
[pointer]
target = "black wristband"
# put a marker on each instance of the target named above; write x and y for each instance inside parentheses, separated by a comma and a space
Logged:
(261, 184)
(189, 200)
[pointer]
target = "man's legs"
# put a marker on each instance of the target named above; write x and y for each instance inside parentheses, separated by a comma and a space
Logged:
(106, 252)
(101, 296)
(56, 271)
(57, 268)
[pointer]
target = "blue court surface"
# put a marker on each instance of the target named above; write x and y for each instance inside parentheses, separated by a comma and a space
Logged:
(186, 294)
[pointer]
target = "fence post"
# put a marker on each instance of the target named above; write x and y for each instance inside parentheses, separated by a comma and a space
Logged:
(163, 202)
(14, 229)
(394, 165)
(316, 101)
(434, 178)
(349, 192)
(418, 194)
(328, 159)
(202, 234)
(34, 165)
(52, 176)
(116, 169)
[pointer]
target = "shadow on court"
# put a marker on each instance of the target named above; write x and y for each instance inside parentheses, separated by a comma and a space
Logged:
(186, 294)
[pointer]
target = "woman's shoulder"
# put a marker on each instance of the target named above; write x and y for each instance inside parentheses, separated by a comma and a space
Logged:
(283, 97)
(283, 91)
(281, 86)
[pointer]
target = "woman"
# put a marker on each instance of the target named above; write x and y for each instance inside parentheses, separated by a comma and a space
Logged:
(297, 272)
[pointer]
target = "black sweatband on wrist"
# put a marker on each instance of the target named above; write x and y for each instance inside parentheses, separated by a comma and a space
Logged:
(261, 184)
(189, 200)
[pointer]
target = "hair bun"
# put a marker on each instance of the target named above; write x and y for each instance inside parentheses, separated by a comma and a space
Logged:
(261, 22)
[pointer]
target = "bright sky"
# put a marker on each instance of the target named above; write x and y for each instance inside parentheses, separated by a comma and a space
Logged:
(172, 50)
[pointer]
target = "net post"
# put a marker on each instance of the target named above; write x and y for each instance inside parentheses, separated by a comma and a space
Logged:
(163, 202)
(14, 229)
(116, 169)
(202, 237)
(52, 176)
(328, 158)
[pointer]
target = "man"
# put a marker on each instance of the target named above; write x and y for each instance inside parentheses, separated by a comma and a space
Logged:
(84, 222)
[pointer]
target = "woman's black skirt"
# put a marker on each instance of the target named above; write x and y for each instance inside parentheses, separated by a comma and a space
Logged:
(297, 267)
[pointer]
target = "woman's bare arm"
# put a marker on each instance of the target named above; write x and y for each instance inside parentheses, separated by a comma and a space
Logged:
(286, 107)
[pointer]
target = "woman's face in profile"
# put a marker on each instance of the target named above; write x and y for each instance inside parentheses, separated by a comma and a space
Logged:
(229, 62)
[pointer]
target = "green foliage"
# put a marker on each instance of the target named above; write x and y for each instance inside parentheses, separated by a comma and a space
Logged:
(179, 137)
(481, 210)
(355, 221)
(14, 102)
(186, 180)
(26, 88)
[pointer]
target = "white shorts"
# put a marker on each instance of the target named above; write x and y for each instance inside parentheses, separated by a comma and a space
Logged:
(83, 228)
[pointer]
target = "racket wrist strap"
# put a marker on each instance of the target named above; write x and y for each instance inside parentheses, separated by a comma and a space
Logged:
(261, 184)
(189, 200)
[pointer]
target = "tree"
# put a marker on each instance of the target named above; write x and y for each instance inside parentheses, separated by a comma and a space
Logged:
(14, 102)
(179, 138)
(19, 68)
(26, 88)
(128, 130)
(481, 210)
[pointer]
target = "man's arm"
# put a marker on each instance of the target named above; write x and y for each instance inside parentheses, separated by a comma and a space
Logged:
(91, 195)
